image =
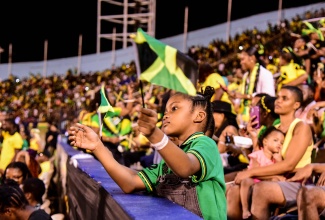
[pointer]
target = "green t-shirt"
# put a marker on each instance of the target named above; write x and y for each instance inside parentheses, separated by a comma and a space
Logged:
(211, 186)
(25, 145)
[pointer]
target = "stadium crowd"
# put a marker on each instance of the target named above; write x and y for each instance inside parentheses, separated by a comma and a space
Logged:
(278, 72)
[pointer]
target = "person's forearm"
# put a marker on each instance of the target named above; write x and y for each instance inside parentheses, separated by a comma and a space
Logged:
(318, 167)
(320, 104)
(122, 175)
(274, 169)
(243, 96)
(317, 93)
(298, 80)
(176, 159)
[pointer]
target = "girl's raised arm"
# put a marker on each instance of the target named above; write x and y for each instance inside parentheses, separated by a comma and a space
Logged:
(182, 164)
(84, 137)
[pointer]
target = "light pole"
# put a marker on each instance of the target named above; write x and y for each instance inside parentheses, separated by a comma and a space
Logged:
(1, 51)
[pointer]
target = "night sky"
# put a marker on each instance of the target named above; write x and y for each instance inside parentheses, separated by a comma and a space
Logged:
(26, 24)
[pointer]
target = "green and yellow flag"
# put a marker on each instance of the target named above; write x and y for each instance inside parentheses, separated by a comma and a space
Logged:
(164, 65)
(105, 106)
(309, 28)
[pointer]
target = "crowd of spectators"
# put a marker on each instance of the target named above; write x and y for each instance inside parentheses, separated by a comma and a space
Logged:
(291, 54)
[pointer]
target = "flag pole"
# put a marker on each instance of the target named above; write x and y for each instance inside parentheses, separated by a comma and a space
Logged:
(137, 65)
(45, 59)
(1, 51)
(100, 124)
(9, 60)
(229, 19)
(100, 121)
(280, 12)
(113, 46)
(79, 54)
(185, 29)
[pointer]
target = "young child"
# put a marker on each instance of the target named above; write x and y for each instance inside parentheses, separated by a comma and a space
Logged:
(195, 164)
(14, 205)
(271, 142)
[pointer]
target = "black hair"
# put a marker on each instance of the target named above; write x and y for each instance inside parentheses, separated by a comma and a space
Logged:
(202, 99)
(229, 117)
(95, 102)
(267, 132)
(288, 54)
(261, 94)
(254, 51)
(266, 104)
(21, 166)
(11, 196)
(12, 121)
(211, 129)
(312, 87)
(297, 92)
(205, 69)
(36, 187)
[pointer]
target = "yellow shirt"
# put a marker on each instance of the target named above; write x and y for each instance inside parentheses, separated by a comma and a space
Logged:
(45, 167)
(273, 68)
(34, 145)
(288, 73)
(9, 145)
(214, 80)
(306, 158)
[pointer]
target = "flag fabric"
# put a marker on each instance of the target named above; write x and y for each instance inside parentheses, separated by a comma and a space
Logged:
(311, 29)
(164, 65)
(105, 106)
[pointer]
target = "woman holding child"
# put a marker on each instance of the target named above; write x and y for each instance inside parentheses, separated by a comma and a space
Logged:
(296, 153)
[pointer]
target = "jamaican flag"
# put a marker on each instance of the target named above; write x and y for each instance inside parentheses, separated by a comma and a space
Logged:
(105, 106)
(164, 65)
(309, 28)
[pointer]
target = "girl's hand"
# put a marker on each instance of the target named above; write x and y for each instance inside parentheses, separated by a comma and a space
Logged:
(147, 121)
(241, 176)
(83, 137)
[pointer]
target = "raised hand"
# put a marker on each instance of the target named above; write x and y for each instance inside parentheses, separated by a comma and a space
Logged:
(147, 121)
(251, 126)
(83, 137)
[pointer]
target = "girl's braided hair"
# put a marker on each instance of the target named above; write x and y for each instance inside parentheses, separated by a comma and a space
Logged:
(203, 100)
(11, 196)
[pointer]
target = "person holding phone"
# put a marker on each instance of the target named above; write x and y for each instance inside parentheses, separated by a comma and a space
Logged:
(264, 118)
(255, 115)
(257, 79)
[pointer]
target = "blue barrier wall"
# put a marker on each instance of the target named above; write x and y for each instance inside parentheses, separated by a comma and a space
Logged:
(92, 194)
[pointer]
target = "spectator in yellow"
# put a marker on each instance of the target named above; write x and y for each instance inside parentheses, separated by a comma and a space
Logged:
(209, 77)
(35, 142)
(12, 142)
(291, 72)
